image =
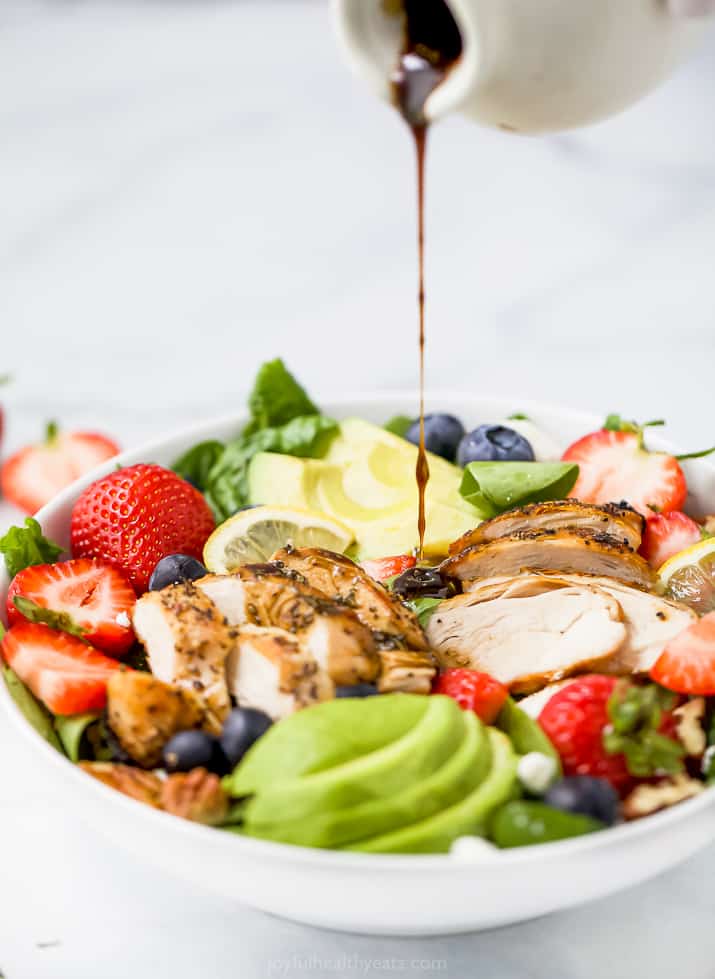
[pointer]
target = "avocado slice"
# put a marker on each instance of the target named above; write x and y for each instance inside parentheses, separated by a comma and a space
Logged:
(324, 736)
(379, 775)
(449, 783)
(367, 481)
(436, 834)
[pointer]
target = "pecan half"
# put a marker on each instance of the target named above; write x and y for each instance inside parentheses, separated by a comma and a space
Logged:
(646, 799)
(196, 795)
(139, 785)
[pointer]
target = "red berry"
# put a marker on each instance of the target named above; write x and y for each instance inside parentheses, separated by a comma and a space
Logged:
(574, 720)
(666, 534)
(475, 691)
(614, 466)
(34, 475)
(66, 674)
(97, 597)
(136, 516)
(687, 664)
(387, 567)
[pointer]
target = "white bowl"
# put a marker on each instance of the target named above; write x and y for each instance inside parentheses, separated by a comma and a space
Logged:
(374, 894)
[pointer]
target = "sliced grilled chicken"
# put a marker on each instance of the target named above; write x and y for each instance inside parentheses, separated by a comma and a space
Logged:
(187, 641)
(651, 622)
(615, 519)
(144, 713)
(337, 576)
(332, 633)
(579, 551)
(271, 670)
(528, 642)
(406, 671)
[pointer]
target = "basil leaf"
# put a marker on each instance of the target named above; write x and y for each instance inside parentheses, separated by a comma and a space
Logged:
(398, 425)
(307, 437)
(276, 398)
(196, 464)
(61, 621)
(23, 547)
(72, 730)
(524, 732)
(424, 608)
(31, 708)
(493, 487)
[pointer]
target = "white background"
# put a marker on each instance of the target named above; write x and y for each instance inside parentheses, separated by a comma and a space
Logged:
(189, 188)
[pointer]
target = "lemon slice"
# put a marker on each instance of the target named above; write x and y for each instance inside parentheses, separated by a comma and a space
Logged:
(689, 576)
(253, 535)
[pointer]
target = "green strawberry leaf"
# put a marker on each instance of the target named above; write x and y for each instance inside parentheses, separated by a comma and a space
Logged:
(635, 713)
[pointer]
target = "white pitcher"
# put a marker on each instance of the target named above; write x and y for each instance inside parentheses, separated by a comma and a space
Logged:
(533, 65)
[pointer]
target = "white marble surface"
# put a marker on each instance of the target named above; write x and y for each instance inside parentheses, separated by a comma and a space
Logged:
(188, 188)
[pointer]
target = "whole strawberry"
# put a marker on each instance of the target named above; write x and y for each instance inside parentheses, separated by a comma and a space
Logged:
(574, 720)
(138, 515)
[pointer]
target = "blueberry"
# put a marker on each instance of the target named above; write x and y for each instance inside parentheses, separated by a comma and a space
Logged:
(175, 568)
(194, 749)
(494, 443)
(587, 796)
(357, 690)
(442, 435)
(420, 583)
(241, 729)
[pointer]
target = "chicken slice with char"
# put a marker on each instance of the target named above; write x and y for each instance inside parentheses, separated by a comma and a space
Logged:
(337, 576)
(406, 671)
(272, 671)
(615, 519)
(528, 642)
(333, 635)
(574, 551)
(144, 713)
(187, 640)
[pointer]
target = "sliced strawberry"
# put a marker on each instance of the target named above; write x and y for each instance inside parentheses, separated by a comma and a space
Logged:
(382, 568)
(94, 598)
(66, 674)
(615, 466)
(34, 475)
(687, 664)
(666, 534)
(475, 691)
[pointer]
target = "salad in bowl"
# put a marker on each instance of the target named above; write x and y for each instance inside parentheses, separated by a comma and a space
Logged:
(246, 636)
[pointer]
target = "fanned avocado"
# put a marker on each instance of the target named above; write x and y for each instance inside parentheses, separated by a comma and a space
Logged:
(324, 736)
(373, 776)
(367, 481)
(450, 782)
(467, 817)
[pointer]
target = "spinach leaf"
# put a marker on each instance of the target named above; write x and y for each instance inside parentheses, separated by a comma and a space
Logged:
(62, 621)
(524, 732)
(34, 712)
(424, 608)
(72, 730)
(398, 425)
(25, 546)
(276, 398)
(196, 464)
(493, 487)
(307, 437)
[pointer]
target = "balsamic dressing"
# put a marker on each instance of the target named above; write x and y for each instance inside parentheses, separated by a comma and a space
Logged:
(432, 45)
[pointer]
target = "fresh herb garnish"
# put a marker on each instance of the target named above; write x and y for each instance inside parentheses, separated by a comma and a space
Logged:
(635, 714)
(196, 464)
(493, 487)
(23, 547)
(276, 398)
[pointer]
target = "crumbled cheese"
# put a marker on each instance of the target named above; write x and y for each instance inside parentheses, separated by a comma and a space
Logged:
(472, 849)
(689, 727)
(122, 619)
(708, 759)
(536, 771)
(646, 799)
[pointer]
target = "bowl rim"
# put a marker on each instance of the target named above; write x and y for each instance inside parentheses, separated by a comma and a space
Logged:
(340, 859)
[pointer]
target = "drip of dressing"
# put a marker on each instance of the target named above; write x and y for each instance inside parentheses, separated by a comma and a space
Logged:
(432, 45)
